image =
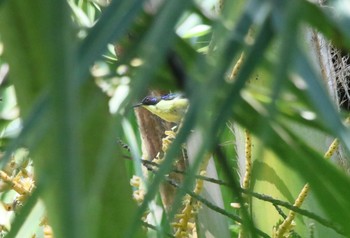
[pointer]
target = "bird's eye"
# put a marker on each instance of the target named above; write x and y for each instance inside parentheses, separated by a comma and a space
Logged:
(150, 100)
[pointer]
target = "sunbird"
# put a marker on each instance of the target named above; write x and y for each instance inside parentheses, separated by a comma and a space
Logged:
(170, 107)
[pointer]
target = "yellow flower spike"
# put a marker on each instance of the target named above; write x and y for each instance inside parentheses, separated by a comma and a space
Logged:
(175, 224)
(236, 67)
(19, 188)
(139, 195)
(27, 183)
(184, 234)
(287, 223)
(170, 133)
(194, 211)
(166, 144)
(248, 160)
(135, 181)
(332, 148)
(186, 209)
(177, 234)
(191, 225)
(186, 222)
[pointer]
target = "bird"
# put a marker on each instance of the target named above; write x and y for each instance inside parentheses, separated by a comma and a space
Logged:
(170, 107)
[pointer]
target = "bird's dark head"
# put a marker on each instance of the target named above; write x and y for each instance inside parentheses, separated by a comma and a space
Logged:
(149, 100)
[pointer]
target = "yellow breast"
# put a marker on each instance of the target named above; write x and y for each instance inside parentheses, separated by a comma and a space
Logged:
(169, 110)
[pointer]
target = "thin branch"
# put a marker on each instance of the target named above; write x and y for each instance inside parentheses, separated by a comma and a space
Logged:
(148, 164)
(279, 210)
(275, 202)
(263, 197)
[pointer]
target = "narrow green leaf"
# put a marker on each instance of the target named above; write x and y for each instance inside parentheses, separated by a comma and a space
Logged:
(31, 39)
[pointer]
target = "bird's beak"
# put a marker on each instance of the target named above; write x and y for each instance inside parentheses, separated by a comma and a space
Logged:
(137, 105)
